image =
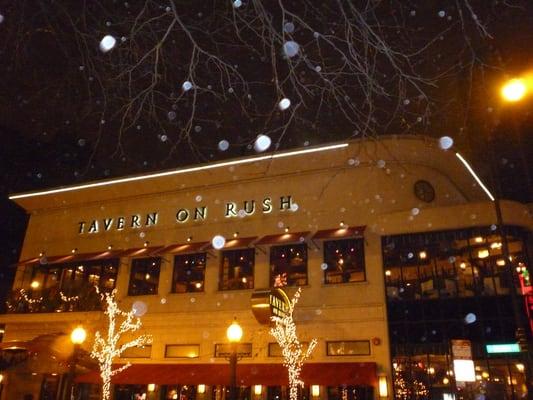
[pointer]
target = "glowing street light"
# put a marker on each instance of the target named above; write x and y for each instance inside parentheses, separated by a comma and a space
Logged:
(514, 90)
(77, 337)
(234, 335)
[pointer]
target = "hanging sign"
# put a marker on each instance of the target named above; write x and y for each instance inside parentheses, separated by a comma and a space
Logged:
(267, 303)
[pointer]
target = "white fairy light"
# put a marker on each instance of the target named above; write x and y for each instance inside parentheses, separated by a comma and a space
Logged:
(262, 143)
(107, 43)
(292, 350)
(106, 349)
(284, 104)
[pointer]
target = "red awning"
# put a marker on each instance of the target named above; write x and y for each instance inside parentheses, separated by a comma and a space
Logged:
(76, 257)
(141, 252)
(340, 233)
(327, 374)
(238, 243)
(182, 248)
(283, 238)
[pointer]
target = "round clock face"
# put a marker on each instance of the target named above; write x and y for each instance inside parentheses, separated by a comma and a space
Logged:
(424, 191)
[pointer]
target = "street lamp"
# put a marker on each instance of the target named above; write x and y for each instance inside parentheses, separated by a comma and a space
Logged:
(512, 91)
(77, 337)
(234, 335)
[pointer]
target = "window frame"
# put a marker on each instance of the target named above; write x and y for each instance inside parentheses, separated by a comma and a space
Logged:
(175, 272)
(222, 286)
(273, 273)
(133, 263)
(359, 246)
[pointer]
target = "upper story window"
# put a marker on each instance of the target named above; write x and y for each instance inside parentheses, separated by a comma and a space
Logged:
(62, 287)
(237, 269)
(189, 273)
(461, 263)
(288, 265)
(144, 276)
(344, 261)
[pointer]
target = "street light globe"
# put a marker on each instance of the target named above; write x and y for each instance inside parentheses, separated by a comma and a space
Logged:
(234, 332)
(514, 90)
(78, 335)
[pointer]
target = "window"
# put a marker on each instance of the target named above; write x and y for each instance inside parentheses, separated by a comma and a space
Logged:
(225, 349)
(63, 286)
(144, 277)
(346, 392)
(137, 352)
(237, 269)
(348, 348)
(344, 261)
(288, 265)
(182, 351)
(274, 349)
(189, 273)
(450, 264)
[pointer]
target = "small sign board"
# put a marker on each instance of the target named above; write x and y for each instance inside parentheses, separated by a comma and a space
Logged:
(267, 303)
(461, 349)
(502, 348)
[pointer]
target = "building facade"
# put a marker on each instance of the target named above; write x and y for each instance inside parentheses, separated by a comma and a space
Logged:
(359, 226)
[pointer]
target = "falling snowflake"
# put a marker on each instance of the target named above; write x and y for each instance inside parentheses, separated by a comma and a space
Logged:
(262, 143)
(291, 48)
(107, 43)
(284, 104)
(186, 86)
(223, 145)
(218, 242)
(445, 142)
(288, 27)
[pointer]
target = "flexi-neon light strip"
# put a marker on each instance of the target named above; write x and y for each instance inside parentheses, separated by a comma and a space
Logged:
(469, 168)
(179, 171)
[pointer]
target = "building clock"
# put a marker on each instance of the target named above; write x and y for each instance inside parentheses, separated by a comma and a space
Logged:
(424, 191)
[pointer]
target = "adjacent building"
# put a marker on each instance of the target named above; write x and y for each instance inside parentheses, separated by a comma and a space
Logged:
(394, 242)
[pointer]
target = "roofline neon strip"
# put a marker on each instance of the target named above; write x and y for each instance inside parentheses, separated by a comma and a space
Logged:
(178, 171)
(469, 168)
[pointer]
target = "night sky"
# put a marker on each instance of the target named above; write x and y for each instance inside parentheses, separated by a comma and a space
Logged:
(70, 112)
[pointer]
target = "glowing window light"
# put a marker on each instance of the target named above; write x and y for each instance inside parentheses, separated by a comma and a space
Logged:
(258, 389)
(201, 389)
(179, 171)
(383, 388)
(151, 387)
(474, 175)
(464, 370)
(484, 253)
(315, 390)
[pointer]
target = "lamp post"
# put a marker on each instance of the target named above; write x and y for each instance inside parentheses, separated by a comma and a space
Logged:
(77, 337)
(234, 335)
(512, 91)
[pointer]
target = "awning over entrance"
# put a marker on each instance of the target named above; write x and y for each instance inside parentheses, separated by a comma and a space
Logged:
(327, 374)
(183, 248)
(340, 233)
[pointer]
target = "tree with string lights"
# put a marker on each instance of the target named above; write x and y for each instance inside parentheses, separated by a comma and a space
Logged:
(294, 355)
(107, 348)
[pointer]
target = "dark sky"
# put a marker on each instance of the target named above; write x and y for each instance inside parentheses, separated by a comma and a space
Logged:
(64, 114)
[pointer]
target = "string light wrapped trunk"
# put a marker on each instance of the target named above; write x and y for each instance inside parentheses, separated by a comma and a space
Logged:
(294, 356)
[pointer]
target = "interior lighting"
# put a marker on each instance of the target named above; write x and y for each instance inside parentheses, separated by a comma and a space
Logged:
(387, 272)
(35, 285)
(383, 387)
(483, 253)
(249, 160)
(474, 175)
(500, 262)
(462, 265)
(315, 390)
(151, 387)
(423, 255)
(258, 389)
(200, 389)
(520, 367)
(496, 245)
